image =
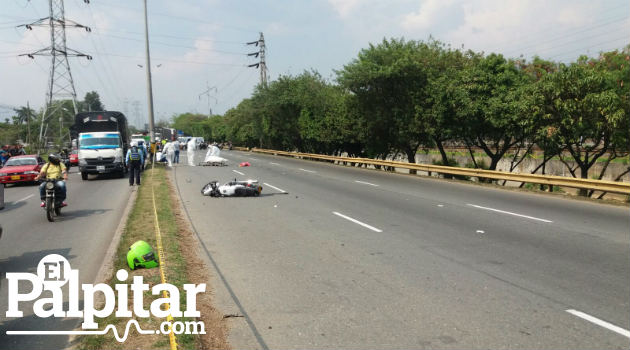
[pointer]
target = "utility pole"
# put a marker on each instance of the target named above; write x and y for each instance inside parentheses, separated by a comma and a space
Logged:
(262, 63)
(148, 68)
(60, 82)
(207, 93)
(28, 123)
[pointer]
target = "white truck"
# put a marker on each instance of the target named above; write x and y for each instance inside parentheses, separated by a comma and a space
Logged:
(102, 140)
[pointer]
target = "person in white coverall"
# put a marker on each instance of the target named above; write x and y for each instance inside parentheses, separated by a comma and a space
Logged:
(170, 153)
(190, 151)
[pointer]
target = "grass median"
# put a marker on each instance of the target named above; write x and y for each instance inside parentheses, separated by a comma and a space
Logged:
(176, 242)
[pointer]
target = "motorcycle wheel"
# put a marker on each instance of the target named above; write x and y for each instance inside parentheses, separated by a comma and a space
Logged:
(50, 215)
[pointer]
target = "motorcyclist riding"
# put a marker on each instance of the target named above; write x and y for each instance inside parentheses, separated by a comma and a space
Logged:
(54, 170)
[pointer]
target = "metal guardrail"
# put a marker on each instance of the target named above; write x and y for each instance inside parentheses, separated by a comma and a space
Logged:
(553, 180)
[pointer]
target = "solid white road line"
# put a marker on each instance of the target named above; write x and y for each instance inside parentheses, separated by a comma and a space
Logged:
(357, 222)
(365, 183)
(274, 163)
(600, 323)
(238, 172)
(23, 199)
(509, 213)
(274, 187)
(308, 171)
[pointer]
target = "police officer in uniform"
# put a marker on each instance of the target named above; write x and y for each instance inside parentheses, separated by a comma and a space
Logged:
(135, 159)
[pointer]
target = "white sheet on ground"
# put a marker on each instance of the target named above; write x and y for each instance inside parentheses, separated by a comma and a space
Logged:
(213, 155)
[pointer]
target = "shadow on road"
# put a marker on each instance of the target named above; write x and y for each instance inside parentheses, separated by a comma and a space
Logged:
(72, 214)
(27, 262)
(110, 176)
(8, 206)
(35, 323)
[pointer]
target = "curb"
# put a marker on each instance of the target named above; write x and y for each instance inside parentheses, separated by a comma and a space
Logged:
(107, 268)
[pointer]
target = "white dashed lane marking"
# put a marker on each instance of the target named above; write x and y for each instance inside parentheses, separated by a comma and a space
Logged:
(365, 183)
(599, 322)
(358, 222)
(509, 213)
(274, 187)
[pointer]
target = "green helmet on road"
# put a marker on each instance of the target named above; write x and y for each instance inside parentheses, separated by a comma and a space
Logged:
(141, 255)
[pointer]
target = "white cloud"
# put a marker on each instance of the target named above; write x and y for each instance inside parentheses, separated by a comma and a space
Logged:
(512, 27)
(344, 7)
(430, 12)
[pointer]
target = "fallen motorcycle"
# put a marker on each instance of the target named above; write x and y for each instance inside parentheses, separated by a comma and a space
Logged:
(248, 188)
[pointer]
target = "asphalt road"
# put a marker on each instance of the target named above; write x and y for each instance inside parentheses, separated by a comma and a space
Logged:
(355, 258)
(82, 235)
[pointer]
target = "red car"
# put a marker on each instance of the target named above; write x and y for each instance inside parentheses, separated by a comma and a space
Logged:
(21, 169)
(74, 158)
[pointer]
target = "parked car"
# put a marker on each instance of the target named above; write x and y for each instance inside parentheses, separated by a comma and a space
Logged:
(21, 169)
(74, 157)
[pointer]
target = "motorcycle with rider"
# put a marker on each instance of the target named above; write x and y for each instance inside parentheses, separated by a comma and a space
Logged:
(52, 190)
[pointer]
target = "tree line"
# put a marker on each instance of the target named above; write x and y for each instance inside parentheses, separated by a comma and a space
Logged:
(399, 96)
(24, 125)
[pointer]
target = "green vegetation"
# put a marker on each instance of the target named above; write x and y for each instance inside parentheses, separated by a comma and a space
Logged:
(400, 96)
(24, 125)
(140, 226)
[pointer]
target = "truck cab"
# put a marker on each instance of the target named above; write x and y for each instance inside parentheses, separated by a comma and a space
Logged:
(101, 152)
(102, 141)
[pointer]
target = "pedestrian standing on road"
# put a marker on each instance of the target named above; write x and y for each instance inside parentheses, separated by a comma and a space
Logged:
(21, 151)
(190, 151)
(176, 146)
(4, 155)
(13, 151)
(170, 153)
(145, 154)
(134, 160)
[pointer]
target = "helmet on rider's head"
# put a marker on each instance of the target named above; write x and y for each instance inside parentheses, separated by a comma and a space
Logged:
(54, 158)
(134, 144)
(141, 255)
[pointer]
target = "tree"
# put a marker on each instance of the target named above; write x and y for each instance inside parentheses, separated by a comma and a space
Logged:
(24, 115)
(243, 124)
(587, 114)
(492, 106)
(91, 103)
(389, 83)
(444, 92)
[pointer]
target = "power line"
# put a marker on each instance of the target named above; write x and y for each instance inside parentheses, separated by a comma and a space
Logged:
(189, 19)
(531, 38)
(175, 45)
(175, 37)
(175, 61)
(625, 37)
(510, 52)
(106, 64)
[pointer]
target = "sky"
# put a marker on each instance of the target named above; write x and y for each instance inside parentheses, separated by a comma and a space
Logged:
(196, 45)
